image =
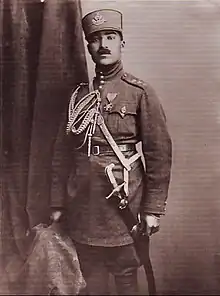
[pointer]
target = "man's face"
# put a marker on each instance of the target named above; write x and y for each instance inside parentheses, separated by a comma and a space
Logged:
(105, 47)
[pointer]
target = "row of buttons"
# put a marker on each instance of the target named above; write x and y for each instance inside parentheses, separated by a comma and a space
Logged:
(102, 81)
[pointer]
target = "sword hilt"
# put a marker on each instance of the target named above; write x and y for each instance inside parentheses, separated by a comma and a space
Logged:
(122, 200)
(116, 190)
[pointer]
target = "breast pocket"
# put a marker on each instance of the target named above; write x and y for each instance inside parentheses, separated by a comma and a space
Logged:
(122, 119)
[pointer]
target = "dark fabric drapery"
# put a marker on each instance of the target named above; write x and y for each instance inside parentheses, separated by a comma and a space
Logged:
(61, 67)
(42, 59)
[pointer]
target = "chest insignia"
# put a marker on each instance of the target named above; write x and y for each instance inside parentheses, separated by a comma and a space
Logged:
(108, 107)
(110, 98)
(123, 111)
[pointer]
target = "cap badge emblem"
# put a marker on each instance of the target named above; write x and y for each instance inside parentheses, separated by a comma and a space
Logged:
(98, 19)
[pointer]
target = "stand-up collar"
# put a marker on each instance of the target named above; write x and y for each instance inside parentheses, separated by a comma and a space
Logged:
(110, 71)
(107, 73)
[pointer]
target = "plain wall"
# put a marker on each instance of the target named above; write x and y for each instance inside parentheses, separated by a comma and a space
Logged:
(175, 46)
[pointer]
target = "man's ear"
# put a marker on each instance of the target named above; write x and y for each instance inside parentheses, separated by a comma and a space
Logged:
(122, 44)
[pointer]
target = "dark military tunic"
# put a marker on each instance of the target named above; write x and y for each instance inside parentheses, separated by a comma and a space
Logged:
(79, 183)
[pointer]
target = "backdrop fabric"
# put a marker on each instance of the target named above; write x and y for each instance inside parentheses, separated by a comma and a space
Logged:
(42, 60)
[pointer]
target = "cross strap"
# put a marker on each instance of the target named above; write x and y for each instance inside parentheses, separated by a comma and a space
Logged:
(124, 161)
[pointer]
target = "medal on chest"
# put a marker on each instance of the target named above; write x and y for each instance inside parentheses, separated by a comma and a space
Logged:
(110, 98)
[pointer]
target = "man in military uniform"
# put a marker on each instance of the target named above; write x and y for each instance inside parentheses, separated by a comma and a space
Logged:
(102, 127)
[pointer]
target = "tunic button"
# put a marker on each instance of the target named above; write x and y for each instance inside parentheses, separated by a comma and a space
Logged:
(100, 86)
(102, 82)
(102, 77)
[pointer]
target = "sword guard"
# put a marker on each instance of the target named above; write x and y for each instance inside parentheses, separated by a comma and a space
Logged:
(122, 201)
(116, 190)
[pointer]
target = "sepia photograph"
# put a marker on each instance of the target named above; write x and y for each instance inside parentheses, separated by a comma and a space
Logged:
(110, 147)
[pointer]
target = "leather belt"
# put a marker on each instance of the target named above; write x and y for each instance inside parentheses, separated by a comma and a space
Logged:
(99, 149)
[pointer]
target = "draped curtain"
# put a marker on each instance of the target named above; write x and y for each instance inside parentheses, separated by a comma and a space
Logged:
(42, 59)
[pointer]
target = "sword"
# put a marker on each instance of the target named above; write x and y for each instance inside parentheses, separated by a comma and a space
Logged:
(122, 199)
(135, 226)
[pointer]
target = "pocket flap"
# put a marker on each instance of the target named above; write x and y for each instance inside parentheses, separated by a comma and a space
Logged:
(124, 110)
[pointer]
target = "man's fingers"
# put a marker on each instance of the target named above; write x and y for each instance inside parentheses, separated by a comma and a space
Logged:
(55, 216)
(153, 224)
(155, 229)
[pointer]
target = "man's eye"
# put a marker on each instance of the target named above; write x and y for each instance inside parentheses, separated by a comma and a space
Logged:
(94, 39)
(110, 37)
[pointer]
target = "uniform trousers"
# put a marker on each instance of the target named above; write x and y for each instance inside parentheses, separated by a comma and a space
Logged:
(97, 263)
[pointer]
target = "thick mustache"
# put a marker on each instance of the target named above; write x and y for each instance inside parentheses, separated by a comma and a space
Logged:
(104, 51)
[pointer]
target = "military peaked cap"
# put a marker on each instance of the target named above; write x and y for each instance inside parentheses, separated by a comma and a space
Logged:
(102, 19)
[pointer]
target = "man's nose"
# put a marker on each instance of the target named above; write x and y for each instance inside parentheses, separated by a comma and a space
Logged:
(103, 42)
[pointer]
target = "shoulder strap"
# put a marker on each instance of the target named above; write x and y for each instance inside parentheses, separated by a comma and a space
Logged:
(132, 80)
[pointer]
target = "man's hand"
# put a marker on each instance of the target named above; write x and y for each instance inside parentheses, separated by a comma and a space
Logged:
(56, 216)
(58, 221)
(152, 223)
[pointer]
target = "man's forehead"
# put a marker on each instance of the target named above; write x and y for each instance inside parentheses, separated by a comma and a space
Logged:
(105, 32)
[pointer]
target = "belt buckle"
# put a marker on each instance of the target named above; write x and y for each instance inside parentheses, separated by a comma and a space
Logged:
(95, 150)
